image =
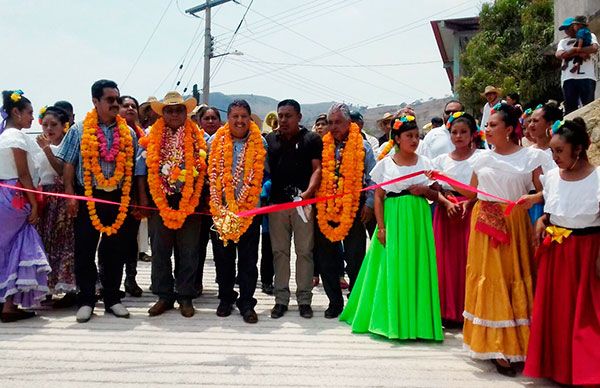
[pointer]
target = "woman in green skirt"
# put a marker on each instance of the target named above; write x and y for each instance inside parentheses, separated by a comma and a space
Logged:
(396, 293)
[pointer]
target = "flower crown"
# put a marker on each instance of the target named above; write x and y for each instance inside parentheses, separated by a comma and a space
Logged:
(16, 95)
(42, 113)
(453, 117)
(528, 112)
(557, 125)
(400, 121)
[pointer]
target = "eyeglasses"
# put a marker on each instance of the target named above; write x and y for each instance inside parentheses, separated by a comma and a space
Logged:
(111, 100)
(449, 112)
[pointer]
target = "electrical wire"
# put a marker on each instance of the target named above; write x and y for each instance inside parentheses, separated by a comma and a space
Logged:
(147, 43)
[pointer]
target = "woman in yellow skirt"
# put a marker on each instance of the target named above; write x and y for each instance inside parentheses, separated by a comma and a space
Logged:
(499, 282)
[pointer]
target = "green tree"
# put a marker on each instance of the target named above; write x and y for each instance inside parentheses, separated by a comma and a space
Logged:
(512, 51)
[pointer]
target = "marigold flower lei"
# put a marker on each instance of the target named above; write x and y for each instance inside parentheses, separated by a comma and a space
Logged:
(194, 159)
(341, 211)
(223, 202)
(386, 149)
(91, 169)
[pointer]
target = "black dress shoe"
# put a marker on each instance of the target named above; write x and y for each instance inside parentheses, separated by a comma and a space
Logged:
(267, 288)
(132, 288)
(332, 312)
(250, 316)
(305, 311)
(278, 310)
(224, 309)
(508, 371)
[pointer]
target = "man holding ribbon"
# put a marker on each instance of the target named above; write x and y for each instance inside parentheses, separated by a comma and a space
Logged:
(174, 161)
(347, 162)
(235, 172)
(99, 162)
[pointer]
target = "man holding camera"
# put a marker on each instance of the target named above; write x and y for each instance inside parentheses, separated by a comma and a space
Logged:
(294, 157)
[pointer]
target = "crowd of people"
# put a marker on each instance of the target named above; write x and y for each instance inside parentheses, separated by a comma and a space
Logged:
(467, 227)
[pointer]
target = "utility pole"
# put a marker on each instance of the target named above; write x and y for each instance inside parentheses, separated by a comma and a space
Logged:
(208, 42)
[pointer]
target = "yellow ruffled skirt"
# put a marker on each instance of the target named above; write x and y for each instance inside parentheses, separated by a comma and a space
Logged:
(499, 291)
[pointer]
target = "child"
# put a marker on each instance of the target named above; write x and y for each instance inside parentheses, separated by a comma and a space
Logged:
(584, 39)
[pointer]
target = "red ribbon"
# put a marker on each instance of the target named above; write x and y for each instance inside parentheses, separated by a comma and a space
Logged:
(288, 205)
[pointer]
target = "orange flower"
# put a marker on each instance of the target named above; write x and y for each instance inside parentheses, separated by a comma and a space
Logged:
(341, 211)
(195, 158)
(223, 183)
(91, 169)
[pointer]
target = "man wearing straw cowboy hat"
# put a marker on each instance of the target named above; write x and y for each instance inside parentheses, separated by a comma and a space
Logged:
(184, 236)
(492, 95)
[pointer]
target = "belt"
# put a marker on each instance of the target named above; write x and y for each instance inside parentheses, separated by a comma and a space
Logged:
(393, 194)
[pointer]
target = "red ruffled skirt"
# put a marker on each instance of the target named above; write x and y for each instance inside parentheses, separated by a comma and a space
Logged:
(451, 243)
(564, 343)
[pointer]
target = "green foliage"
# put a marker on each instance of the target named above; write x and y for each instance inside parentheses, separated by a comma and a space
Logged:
(508, 52)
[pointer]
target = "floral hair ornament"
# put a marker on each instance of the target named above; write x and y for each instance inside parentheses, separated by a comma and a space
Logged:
(16, 95)
(557, 125)
(399, 121)
(42, 113)
(453, 117)
(496, 108)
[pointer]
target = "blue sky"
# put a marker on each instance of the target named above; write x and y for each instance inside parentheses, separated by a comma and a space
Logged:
(310, 50)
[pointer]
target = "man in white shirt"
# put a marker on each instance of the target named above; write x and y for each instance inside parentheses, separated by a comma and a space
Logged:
(437, 141)
(577, 85)
(492, 95)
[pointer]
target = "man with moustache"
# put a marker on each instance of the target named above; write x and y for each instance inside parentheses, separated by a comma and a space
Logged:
(105, 97)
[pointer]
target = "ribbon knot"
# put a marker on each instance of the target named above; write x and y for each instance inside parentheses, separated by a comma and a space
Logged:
(556, 233)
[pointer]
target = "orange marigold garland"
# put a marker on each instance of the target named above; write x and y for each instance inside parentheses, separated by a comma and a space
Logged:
(194, 167)
(386, 149)
(92, 170)
(342, 177)
(223, 181)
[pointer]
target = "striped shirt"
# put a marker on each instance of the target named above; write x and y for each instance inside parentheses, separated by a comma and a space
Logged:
(70, 150)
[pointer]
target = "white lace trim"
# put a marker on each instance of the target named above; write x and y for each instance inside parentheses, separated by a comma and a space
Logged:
(492, 355)
(13, 291)
(10, 279)
(496, 324)
(60, 288)
(31, 263)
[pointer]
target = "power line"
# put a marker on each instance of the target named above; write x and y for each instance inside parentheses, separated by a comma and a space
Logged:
(241, 59)
(416, 24)
(147, 43)
(221, 59)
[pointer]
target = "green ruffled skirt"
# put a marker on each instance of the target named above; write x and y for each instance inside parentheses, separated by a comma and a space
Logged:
(396, 293)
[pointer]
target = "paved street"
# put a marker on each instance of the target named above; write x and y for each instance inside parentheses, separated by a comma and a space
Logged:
(54, 350)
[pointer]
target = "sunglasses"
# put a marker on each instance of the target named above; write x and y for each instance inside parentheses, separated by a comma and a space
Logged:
(449, 112)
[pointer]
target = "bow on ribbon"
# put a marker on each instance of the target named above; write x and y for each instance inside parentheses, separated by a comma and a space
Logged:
(556, 233)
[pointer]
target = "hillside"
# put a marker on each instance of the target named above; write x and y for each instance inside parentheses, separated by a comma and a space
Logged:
(261, 105)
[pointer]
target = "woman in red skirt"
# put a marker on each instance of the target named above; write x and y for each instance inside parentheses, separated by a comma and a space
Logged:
(451, 225)
(565, 332)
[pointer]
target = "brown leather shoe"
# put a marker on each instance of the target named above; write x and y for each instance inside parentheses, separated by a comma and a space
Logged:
(160, 307)
(250, 316)
(186, 308)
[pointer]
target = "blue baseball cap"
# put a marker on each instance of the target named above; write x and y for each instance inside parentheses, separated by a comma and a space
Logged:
(566, 24)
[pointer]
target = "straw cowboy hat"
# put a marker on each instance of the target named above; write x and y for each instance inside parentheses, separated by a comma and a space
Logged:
(269, 123)
(173, 98)
(491, 89)
(197, 109)
(146, 104)
(387, 116)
